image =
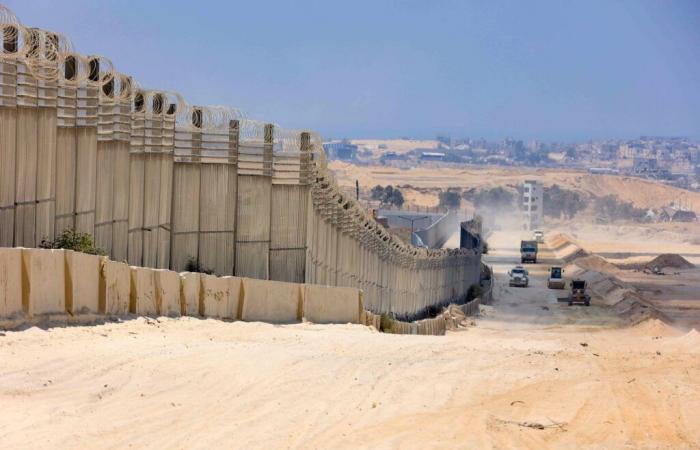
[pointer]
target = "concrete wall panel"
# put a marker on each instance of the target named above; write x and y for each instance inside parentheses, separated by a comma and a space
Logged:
(10, 282)
(82, 282)
(190, 293)
(43, 281)
(328, 304)
(168, 293)
(271, 301)
(115, 288)
(143, 292)
(220, 296)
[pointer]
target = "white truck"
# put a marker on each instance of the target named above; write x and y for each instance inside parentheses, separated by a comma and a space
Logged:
(539, 236)
(518, 277)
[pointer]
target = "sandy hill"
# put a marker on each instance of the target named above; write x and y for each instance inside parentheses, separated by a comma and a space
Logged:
(428, 180)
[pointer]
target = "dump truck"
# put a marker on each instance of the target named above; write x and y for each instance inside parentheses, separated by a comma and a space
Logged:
(528, 251)
(556, 278)
(578, 293)
(518, 277)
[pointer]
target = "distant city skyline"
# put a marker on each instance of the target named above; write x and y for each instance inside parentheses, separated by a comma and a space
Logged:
(545, 70)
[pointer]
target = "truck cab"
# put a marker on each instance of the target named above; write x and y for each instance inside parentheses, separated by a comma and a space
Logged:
(528, 252)
(518, 277)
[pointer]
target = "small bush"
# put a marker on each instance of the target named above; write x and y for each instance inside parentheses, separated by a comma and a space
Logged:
(386, 323)
(70, 239)
(192, 265)
(387, 195)
(450, 199)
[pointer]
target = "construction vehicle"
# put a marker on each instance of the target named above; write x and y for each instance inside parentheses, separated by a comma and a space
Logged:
(578, 293)
(528, 251)
(556, 278)
(539, 236)
(518, 277)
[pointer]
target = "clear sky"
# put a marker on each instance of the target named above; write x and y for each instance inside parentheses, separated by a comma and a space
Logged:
(552, 70)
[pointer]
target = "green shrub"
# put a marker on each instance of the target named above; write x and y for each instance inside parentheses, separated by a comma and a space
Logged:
(192, 265)
(450, 199)
(386, 323)
(387, 195)
(70, 239)
(559, 202)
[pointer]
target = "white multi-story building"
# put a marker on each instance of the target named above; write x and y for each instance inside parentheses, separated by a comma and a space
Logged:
(532, 204)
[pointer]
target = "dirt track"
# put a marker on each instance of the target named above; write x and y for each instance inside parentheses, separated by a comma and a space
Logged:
(190, 383)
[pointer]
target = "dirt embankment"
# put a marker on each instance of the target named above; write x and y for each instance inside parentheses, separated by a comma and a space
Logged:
(602, 279)
(426, 182)
(662, 262)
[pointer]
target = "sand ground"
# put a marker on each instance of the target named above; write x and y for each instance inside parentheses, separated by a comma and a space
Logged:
(583, 374)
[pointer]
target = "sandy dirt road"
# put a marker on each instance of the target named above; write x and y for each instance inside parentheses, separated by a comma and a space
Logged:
(206, 384)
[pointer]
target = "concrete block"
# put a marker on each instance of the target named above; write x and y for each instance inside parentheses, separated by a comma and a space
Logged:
(43, 281)
(115, 288)
(220, 296)
(330, 304)
(10, 282)
(271, 301)
(82, 282)
(143, 299)
(168, 292)
(190, 293)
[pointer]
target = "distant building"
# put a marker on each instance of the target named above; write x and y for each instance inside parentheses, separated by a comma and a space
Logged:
(340, 150)
(671, 214)
(444, 140)
(603, 171)
(644, 166)
(533, 201)
(432, 156)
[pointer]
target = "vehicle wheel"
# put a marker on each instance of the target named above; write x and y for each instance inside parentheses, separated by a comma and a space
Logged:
(587, 303)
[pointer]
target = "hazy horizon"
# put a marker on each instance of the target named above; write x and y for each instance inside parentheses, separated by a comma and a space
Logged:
(540, 70)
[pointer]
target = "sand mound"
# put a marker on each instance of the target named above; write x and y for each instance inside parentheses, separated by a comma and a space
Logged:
(670, 260)
(667, 260)
(655, 327)
(597, 263)
(689, 342)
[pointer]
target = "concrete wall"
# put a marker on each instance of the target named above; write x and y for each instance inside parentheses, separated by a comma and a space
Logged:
(403, 219)
(143, 299)
(36, 282)
(82, 282)
(10, 282)
(115, 288)
(220, 296)
(237, 197)
(168, 293)
(43, 281)
(325, 304)
(437, 233)
(271, 301)
(190, 292)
